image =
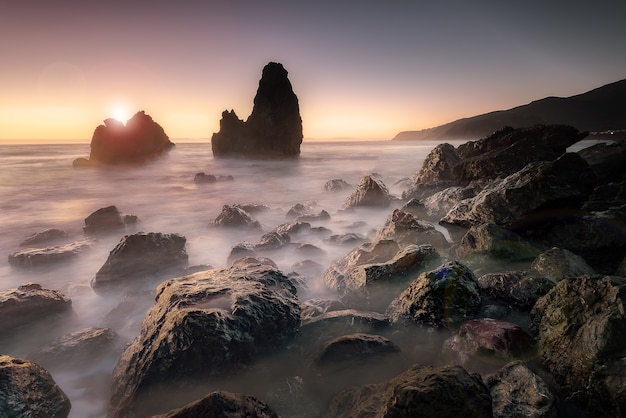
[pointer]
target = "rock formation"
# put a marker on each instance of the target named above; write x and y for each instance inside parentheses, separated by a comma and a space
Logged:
(273, 129)
(141, 140)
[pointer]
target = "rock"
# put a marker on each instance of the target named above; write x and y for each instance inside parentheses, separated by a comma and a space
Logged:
(78, 349)
(308, 268)
(490, 340)
(518, 288)
(558, 264)
(141, 257)
(46, 235)
(203, 326)
(106, 220)
(28, 390)
(336, 185)
(369, 192)
(201, 178)
(445, 296)
(295, 227)
(223, 404)
(437, 205)
(335, 323)
(321, 216)
(607, 160)
(347, 238)
(421, 391)
(438, 165)
(560, 185)
(580, 326)
(40, 257)
(405, 229)
(252, 208)
(494, 241)
(309, 250)
(28, 304)
(243, 249)
(350, 350)
(273, 129)
(518, 392)
(607, 197)
(299, 210)
(141, 140)
(233, 216)
(272, 241)
(315, 307)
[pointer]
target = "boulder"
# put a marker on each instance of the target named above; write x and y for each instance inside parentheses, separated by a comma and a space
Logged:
(560, 185)
(141, 140)
(295, 227)
(494, 241)
(47, 235)
(438, 165)
(223, 404)
(406, 229)
(141, 257)
(240, 250)
(316, 307)
(29, 304)
(520, 288)
(335, 323)
(233, 216)
(369, 192)
(272, 241)
(106, 220)
(607, 160)
(203, 178)
(580, 326)
(438, 204)
(607, 197)
(421, 391)
(77, 349)
(273, 129)
(490, 340)
(558, 264)
(443, 297)
(518, 392)
(202, 326)
(40, 257)
(28, 390)
(350, 350)
(336, 185)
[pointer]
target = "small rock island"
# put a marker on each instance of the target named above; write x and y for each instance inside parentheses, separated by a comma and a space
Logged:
(273, 129)
(139, 141)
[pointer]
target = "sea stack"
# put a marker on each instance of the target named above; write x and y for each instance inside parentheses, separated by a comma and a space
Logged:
(273, 129)
(140, 140)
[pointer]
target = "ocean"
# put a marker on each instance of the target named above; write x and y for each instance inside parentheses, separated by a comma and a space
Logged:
(39, 189)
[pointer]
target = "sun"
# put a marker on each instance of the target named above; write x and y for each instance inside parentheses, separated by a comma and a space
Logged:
(120, 112)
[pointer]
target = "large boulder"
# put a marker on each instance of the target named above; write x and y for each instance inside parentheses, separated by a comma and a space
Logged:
(28, 390)
(107, 220)
(442, 297)
(140, 140)
(369, 192)
(273, 129)
(421, 391)
(42, 257)
(519, 288)
(580, 326)
(141, 257)
(558, 264)
(235, 216)
(406, 229)
(350, 350)
(223, 404)
(202, 326)
(493, 241)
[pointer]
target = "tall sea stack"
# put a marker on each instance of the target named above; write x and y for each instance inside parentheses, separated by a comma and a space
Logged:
(273, 129)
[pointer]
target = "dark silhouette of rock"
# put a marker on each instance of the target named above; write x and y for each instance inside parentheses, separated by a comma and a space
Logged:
(40, 257)
(141, 257)
(273, 129)
(369, 192)
(495, 242)
(107, 220)
(580, 326)
(352, 350)
(233, 216)
(28, 390)
(201, 326)
(421, 391)
(518, 288)
(607, 160)
(223, 404)
(140, 140)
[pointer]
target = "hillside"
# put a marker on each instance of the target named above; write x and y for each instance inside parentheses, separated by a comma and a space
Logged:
(600, 109)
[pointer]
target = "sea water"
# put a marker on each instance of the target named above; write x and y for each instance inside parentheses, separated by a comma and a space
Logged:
(39, 189)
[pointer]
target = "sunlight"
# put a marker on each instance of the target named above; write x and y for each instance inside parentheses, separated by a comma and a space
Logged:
(120, 112)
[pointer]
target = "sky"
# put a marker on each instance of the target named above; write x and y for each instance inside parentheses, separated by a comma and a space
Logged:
(361, 69)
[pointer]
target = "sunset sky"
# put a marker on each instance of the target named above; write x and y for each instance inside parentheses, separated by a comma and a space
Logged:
(363, 69)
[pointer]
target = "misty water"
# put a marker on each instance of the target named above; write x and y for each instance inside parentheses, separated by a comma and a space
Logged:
(39, 189)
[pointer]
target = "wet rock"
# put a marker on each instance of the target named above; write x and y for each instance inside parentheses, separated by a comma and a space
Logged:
(46, 235)
(141, 257)
(335, 323)
(437, 205)
(223, 404)
(77, 349)
(299, 209)
(607, 197)
(272, 241)
(28, 304)
(321, 216)
(580, 326)
(405, 229)
(518, 288)
(438, 165)
(558, 264)
(315, 307)
(336, 185)
(309, 250)
(273, 129)
(233, 216)
(369, 192)
(442, 297)
(202, 326)
(141, 140)
(252, 208)
(308, 268)
(518, 392)
(348, 350)
(496, 242)
(607, 160)
(28, 390)
(240, 250)
(490, 340)
(347, 238)
(562, 184)
(106, 220)
(421, 391)
(39, 257)
(293, 228)
(202, 178)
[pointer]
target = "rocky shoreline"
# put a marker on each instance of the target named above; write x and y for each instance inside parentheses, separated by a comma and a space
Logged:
(521, 304)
